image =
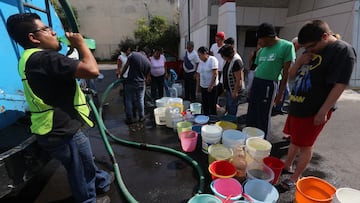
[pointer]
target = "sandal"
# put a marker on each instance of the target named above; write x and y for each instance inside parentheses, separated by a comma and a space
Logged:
(285, 186)
(285, 171)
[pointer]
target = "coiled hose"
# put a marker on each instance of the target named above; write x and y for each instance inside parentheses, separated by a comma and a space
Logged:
(105, 132)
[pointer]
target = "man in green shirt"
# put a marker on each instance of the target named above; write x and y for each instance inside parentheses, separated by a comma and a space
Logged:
(273, 62)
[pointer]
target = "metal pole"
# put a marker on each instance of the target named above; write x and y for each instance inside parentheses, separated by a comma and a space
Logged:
(188, 20)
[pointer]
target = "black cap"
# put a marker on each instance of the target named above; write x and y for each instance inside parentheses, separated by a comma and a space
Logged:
(265, 30)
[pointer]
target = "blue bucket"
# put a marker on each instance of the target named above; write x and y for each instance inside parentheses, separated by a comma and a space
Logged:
(204, 198)
(261, 191)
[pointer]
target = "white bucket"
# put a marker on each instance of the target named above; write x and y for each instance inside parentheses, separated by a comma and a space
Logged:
(176, 102)
(233, 138)
(159, 114)
(347, 195)
(163, 102)
(253, 132)
(210, 134)
(257, 149)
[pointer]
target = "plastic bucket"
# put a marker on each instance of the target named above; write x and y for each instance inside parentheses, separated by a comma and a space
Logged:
(314, 190)
(261, 191)
(232, 138)
(170, 113)
(347, 195)
(176, 102)
(204, 198)
(276, 166)
(226, 125)
(253, 132)
(162, 102)
(219, 152)
(260, 171)
(195, 108)
(222, 169)
(159, 114)
(188, 140)
(227, 189)
(179, 88)
(210, 134)
(183, 126)
(257, 149)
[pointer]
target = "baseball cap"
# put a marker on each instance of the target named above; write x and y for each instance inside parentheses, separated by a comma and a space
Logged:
(265, 30)
(220, 35)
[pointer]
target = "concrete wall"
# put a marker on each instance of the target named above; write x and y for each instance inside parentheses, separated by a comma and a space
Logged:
(110, 21)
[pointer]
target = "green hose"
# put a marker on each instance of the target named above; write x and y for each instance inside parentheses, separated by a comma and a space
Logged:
(104, 132)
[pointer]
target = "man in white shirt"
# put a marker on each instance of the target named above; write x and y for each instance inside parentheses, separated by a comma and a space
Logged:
(191, 61)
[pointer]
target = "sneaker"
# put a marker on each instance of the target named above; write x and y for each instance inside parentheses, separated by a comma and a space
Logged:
(103, 199)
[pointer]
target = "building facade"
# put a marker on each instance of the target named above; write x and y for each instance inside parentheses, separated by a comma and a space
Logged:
(110, 21)
(200, 20)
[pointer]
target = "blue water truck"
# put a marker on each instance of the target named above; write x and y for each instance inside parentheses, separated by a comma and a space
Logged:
(20, 156)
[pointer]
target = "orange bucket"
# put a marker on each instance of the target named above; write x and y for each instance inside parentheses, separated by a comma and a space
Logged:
(314, 190)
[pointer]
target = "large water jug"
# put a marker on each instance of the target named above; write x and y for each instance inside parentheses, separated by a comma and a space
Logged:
(169, 114)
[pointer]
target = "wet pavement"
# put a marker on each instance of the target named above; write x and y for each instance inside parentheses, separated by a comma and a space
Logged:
(152, 176)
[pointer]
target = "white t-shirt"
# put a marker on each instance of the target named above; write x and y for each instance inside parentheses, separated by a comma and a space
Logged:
(214, 49)
(157, 66)
(123, 59)
(194, 59)
(205, 70)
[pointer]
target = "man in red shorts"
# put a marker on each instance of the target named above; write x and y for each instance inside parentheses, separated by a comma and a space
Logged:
(321, 75)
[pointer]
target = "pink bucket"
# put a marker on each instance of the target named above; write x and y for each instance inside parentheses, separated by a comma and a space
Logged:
(227, 189)
(188, 140)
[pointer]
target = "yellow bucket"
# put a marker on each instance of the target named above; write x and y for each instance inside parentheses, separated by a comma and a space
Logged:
(226, 125)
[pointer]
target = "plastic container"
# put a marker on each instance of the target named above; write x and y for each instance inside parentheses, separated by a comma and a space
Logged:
(162, 102)
(259, 171)
(257, 149)
(222, 169)
(219, 152)
(276, 166)
(232, 138)
(210, 134)
(226, 189)
(173, 92)
(226, 125)
(183, 126)
(159, 114)
(253, 132)
(179, 89)
(204, 198)
(170, 113)
(201, 119)
(314, 190)
(197, 128)
(347, 195)
(177, 102)
(261, 191)
(188, 140)
(195, 108)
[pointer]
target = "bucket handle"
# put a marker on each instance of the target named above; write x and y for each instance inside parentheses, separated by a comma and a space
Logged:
(222, 196)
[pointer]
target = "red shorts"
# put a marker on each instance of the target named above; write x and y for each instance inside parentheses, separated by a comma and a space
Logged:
(303, 132)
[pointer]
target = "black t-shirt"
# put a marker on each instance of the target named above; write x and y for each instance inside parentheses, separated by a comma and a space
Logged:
(236, 67)
(139, 67)
(314, 82)
(51, 77)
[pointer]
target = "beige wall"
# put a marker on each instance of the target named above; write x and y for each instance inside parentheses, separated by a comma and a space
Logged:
(110, 21)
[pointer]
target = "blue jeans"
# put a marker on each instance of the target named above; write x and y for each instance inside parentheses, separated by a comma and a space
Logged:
(134, 95)
(75, 153)
(231, 103)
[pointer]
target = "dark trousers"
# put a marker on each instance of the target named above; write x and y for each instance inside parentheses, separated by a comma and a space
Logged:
(157, 87)
(190, 86)
(260, 104)
(209, 101)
